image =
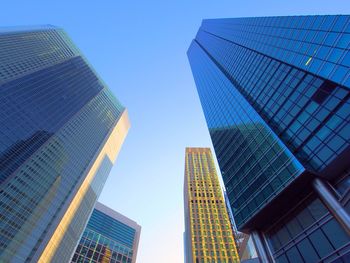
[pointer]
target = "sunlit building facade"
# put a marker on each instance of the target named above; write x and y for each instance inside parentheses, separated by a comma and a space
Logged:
(61, 129)
(208, 234)
(275, 95)
(109, 237)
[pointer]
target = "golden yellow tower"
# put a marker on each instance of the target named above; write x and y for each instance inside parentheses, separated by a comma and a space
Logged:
(208, 235)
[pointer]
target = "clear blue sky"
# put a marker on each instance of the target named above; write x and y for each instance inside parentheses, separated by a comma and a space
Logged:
(139, 49)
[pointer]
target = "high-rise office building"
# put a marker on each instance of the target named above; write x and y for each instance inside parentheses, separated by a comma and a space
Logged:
(109, 237)
(208, 234)
(60, 132)
(275, 95)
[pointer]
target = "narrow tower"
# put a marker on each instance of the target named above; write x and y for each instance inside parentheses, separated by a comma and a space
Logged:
(208, 234)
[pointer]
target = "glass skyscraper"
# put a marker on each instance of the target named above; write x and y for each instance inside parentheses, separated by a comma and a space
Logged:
(275, 95)
(60, 132)
(208, 234)
(109, 237)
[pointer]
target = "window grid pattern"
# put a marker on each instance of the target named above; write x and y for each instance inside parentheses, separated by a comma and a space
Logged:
(51, 104)
(112, 228)
(97, 248)
(254, 163)
(294, 73)
(210, 231)
(318, 44)
(40, 103)
(106, 240)
(38, 190)
(24, 52)
(310, 114)
(309, 235)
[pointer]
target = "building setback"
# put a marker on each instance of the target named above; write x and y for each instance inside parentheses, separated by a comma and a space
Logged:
(208, 234)
(61, 129)
(275, 95)
(109, 237)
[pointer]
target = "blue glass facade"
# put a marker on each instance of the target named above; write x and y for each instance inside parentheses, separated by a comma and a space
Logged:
(108, 237)
(257, 165)
(275, 94)
(51, 104)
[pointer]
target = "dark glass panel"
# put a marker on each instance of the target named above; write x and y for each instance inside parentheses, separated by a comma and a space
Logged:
(307, 251)
(335, 233)
(294, 255)
(321, 243)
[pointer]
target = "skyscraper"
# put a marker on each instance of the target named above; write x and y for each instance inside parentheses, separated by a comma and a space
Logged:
(60, 132)
(109, 237)
(208, 234)
(275, 94)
